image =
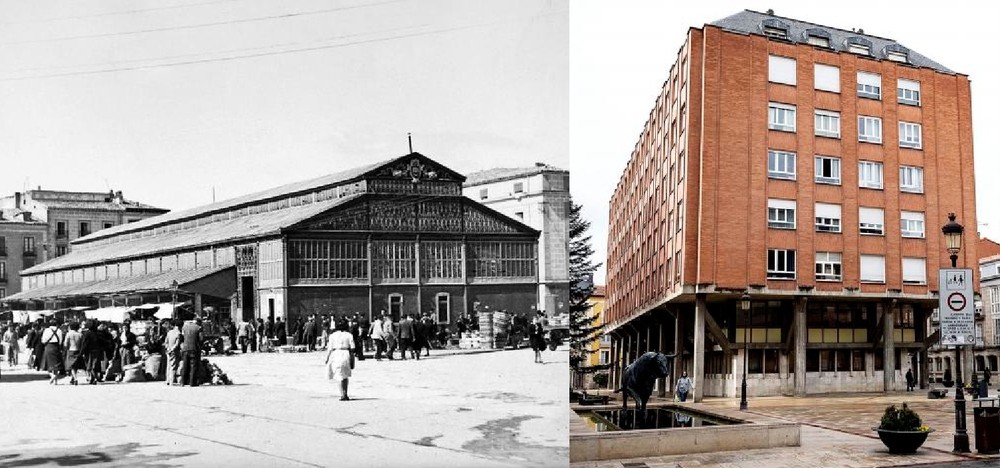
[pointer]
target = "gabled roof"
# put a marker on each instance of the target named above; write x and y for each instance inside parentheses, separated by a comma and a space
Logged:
(250, 226)
(330, 180)
(752, 22)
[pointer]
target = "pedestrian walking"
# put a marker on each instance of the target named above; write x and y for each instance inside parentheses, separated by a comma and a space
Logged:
(378, 336)
(52, 358)
(309, 333)
(92, 352)
(39, 346)
(536, 336)
(173, 347)
(243, 335)
(406, 334)
(355, 331)
(909, 380)
(10, 339)
(191, 353)
(340, 357)
(71, 347)
(280, 332)
(389, 333)
(683, 386)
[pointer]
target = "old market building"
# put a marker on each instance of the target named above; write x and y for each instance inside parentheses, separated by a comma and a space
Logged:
(396, 236)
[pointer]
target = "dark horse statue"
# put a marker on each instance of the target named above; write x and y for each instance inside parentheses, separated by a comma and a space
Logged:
(641, 375)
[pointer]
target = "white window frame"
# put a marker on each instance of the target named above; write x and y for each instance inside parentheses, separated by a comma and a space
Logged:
(829, 266)
(869, 129)
(778, 258)
(869, 85)
(827, 123)
(818, 41)
(871, 221)
(826, 78)
(780, 164)
(908, 92)
(860, 49)
(911, 179)
(781, 117)
(780, 213)
(834, 177)
(781, 70)
(872, 268)
(437, 310)
(914, 270)
(910, 135)
(897, 56)
(870, 175)
(828, 217)
(911, 224)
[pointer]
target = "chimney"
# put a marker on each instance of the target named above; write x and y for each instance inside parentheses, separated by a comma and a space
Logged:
(119, 198)
(17, 200)
(27, 215)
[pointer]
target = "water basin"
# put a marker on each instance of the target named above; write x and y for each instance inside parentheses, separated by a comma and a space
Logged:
(653, 418)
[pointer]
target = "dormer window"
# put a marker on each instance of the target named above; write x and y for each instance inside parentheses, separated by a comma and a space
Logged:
(774, 28)
(817, 37)
(897, 53)
(858, 45)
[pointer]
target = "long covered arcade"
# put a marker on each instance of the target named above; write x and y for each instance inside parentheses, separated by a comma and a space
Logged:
(395, 236)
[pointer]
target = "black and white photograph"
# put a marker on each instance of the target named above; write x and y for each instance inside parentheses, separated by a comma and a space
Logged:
(310, 233)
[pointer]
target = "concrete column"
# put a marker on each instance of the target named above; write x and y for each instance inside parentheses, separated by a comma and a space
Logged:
(698, 375)
(680, 363)
(889, 351)
(801, 336)
(661, 346)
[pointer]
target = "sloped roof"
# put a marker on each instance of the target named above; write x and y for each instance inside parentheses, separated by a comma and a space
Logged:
(988, 248)
(250, 226)
(505, 173)
(152, 282)
(749, 22)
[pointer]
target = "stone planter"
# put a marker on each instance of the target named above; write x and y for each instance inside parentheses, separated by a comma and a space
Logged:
(902, 441)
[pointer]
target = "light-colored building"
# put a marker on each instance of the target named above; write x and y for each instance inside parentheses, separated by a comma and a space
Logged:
(811, 168)
(539, 197)
(20, 239)
(72, 215)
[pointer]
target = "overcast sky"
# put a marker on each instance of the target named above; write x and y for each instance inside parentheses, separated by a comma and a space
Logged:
(621, 52)
(165, 100)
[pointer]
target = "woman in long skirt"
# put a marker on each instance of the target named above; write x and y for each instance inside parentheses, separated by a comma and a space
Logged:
(52, 359)
(339, 357)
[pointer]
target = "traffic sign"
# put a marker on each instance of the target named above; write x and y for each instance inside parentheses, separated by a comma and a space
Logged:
(956, 310)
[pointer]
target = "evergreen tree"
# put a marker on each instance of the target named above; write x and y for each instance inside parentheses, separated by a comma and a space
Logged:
(584, 327)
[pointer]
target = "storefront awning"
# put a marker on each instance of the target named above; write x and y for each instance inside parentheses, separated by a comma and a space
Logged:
(212, 281)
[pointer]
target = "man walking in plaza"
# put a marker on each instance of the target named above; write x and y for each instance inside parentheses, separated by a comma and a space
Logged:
(389, 333)
(243, 335)
(191, 352)
(173, 346)
(378, 337)
(309, 334)
(406, 335)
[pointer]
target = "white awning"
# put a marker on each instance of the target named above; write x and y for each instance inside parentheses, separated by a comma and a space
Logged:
(116, 314)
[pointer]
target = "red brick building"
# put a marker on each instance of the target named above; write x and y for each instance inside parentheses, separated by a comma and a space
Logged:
(810, 167)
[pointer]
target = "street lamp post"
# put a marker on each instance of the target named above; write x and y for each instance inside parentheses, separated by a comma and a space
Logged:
(173, 299)
(745, 307)
(953, 240)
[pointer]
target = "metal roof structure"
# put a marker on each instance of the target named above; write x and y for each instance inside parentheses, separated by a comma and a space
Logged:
(244, 227)
(754, 22)
(151, 282)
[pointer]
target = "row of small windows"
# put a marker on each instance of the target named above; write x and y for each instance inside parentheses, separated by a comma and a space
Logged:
(821, 38)
(781, 165)
(829, 267)
(781, 117)
(29, 245)
(871, 221)
(827, 78)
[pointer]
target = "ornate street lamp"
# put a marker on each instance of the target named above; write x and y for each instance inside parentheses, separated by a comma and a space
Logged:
(953, 240)
(745, 307)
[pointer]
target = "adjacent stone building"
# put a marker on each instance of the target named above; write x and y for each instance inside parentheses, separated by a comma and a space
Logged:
(396, 236)
(539, 197)
(21, 238)
(811, 168)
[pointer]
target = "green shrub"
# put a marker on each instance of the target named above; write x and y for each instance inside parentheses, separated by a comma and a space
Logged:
(601, 379)
(900, 419)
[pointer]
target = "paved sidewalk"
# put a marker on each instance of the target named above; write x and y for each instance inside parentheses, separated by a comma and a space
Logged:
(836, 432)
(462, 409)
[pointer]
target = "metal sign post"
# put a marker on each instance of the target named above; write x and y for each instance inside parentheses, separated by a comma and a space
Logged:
(957, 314)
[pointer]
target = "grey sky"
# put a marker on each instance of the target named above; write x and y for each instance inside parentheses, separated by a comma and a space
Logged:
(620, 54)
(166, 100)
